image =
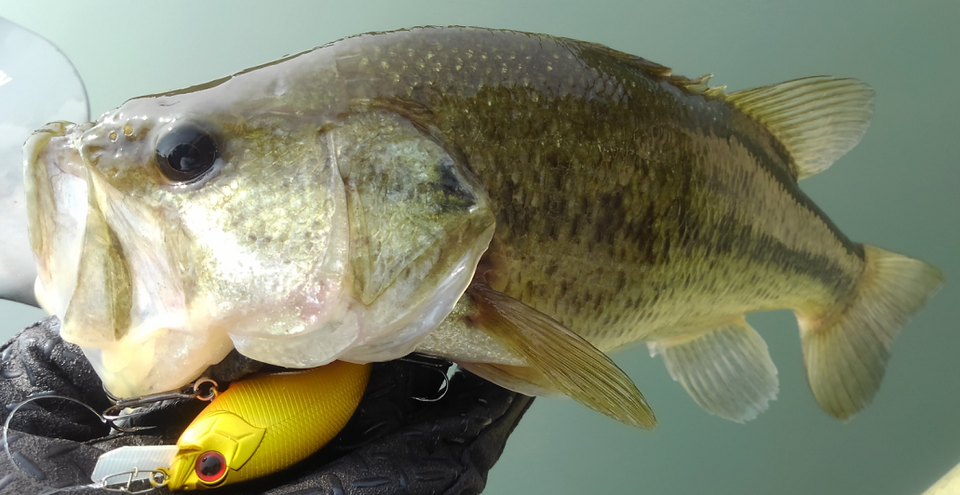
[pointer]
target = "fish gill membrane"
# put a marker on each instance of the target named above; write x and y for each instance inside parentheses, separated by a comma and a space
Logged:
(519, 204)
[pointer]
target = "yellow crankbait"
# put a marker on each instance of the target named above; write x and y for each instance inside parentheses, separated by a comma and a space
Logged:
(266, 423)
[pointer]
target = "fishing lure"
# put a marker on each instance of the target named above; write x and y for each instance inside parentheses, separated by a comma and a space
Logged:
(256, 427)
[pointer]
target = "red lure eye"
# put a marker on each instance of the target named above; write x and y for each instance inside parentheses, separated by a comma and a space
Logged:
(211, 466)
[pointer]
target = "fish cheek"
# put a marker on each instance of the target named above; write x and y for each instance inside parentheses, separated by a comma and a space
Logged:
(263, 251)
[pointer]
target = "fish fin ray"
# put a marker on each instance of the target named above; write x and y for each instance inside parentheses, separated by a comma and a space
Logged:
(522, 379)
(653, 70)
(847, 347)
(818, 119)
(566, 360)
(727, 371)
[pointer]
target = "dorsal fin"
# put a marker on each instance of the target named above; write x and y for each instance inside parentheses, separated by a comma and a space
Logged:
(653, 70)
(818, 119)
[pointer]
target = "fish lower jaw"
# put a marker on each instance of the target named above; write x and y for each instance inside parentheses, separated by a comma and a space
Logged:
(296, 351)
(355, 335)
(130, 369)
(49, 300)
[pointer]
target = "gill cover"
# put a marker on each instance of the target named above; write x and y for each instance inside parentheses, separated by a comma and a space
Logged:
(266, 423)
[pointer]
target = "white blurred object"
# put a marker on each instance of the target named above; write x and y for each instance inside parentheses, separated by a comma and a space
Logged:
(948, 485)
(38, 84)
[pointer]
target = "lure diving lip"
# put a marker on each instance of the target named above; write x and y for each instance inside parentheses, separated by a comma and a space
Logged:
(256, 427)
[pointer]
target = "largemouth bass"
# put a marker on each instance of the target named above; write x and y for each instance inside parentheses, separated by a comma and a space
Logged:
(520, 204)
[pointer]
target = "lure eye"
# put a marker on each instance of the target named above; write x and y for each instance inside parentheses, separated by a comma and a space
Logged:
(211, 466)
(185, 153)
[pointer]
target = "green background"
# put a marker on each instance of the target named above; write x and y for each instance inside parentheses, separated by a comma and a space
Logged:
(898, 190)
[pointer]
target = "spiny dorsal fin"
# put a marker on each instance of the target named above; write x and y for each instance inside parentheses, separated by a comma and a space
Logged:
(818, 119)
(699, 85)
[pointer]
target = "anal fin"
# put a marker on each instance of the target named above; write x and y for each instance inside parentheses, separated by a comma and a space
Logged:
(565, 360)
(727, 371)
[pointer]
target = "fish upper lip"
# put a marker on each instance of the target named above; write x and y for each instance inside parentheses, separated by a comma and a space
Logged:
(53, 167)
(45, 143)
(73, 165)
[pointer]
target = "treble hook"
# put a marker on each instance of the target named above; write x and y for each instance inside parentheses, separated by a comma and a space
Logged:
(204, 389)
(442, 366)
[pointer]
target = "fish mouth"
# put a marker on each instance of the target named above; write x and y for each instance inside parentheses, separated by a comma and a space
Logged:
(55, 184)
(99, 271)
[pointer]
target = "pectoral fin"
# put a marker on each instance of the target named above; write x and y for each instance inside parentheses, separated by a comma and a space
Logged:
(727, 371)
(523, 379)
(564, 359)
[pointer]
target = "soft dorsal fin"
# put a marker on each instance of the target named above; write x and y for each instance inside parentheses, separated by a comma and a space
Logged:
(818, 119)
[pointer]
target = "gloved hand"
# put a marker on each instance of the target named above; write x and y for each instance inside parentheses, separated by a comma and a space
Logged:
(393, 443)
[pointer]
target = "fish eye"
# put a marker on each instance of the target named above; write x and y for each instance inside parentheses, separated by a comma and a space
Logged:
(211, 466)
(185, 153)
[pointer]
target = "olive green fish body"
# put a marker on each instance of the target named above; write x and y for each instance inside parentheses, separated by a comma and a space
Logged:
(621, 196)
(601, 167)
(515, 202)
(628, 213)
(634, 205)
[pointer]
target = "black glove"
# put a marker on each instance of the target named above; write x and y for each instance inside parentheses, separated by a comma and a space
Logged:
(393, 444)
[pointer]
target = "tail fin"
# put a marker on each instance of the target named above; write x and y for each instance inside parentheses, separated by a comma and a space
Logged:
(846, 348)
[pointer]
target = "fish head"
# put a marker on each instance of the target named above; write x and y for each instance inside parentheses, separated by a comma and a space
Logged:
(180, 226)
(158, 229)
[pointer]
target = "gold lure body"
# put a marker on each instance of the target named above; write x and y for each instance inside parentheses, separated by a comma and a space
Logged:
(266, 423)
